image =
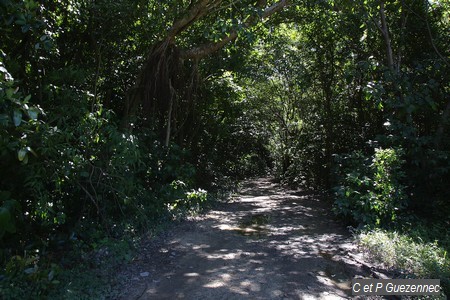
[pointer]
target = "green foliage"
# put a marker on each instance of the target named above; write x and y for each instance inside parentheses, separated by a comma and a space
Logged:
(185, 201)
(419, 125)
(72, 172)
(18, 118)
(284, 98)
(26, 277)
(415, 258)
(34, 277)
(371, 191)
(232, 145)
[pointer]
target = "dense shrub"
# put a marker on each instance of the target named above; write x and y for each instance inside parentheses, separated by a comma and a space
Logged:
(371, 190)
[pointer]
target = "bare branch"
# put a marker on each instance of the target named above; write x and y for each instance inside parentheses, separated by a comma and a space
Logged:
(444, 59)
(196, 12)
(207, 49)
(387, 39)
(280, 5)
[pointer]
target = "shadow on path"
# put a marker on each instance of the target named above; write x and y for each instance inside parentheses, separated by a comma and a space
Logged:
(267, 243)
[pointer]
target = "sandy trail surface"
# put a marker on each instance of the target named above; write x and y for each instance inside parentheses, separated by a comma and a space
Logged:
(268, 242)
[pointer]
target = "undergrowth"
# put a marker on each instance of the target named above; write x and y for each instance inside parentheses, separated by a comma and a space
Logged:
(86, 268)
(82, 272)
(410, 253)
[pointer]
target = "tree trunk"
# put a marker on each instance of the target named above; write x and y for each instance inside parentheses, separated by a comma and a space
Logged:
(387, 39)
(163, 77)
(169, 115)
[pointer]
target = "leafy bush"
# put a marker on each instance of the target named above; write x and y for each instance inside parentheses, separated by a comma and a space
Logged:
(87, 177)
(371, 190)
(182, 200)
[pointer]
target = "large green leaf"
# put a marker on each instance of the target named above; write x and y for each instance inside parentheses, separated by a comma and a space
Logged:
(17, 117)
(33, 113)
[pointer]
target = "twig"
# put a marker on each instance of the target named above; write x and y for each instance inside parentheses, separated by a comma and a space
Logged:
(90, 197)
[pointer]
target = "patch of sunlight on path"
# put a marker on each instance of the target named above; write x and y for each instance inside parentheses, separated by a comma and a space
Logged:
(268, 243)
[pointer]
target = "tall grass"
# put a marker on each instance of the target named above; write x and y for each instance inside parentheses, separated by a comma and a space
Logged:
(408, 254)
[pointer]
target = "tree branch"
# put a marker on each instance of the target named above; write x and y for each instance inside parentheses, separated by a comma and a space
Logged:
(207, 49)
(425, 19)
(444, 59)
(387, 39)
(196, 12)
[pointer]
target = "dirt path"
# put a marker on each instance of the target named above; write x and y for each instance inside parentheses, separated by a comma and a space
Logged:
(268, 243)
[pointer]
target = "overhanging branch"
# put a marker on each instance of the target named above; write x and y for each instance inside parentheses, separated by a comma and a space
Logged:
(196, 12)
(207, 49)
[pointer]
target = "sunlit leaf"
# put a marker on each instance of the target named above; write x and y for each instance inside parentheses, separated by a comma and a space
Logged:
(21, 154)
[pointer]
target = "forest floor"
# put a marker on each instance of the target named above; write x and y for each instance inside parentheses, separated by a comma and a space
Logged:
(268, 242)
